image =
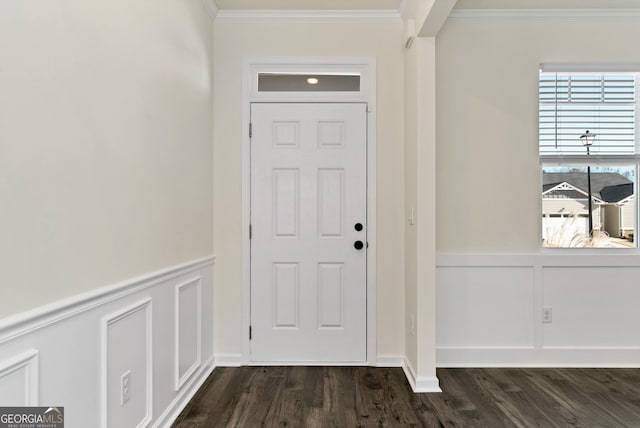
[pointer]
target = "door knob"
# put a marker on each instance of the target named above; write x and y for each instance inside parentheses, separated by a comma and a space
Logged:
(358, 245)
(357, 227)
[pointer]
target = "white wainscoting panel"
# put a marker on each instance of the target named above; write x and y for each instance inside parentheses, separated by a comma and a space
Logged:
(188, 301)
(489, 309)
(593, 307)
(475, 314)
(126, 350)
(72, 353)
(19, 380)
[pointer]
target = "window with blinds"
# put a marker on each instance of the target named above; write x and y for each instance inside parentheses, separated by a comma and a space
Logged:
(572, 103)
(588, 185)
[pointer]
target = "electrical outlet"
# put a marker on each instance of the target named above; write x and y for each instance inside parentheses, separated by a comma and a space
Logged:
(125, 387)
(547, 315)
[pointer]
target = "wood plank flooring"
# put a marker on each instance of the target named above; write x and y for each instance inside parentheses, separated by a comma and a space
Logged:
(368, 396)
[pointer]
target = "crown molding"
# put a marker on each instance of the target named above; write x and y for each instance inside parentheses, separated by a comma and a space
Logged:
(211, 7)
(543, 15)
(297, 16)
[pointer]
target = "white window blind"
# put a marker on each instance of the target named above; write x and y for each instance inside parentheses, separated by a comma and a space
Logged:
(603, 103)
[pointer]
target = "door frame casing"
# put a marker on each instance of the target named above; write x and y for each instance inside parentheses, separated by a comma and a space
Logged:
(366, 67)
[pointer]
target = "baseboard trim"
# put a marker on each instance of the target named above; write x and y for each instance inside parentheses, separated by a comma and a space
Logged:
(235, 360)
(390, 361)
(317, 363)
(29, 321)
(228, 360)
(535, 366)
(171, 413)
(420, 384)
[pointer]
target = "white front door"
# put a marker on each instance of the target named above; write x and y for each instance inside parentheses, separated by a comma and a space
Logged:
(309, 234)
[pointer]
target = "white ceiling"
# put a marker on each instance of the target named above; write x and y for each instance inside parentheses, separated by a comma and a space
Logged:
(395, 5)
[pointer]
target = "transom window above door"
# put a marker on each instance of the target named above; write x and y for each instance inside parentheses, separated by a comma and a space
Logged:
(288, 79)
(303, 82)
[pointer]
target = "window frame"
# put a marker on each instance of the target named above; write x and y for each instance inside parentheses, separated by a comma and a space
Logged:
(594, 159)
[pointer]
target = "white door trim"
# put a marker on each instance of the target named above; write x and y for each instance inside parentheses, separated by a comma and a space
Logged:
(366, 67)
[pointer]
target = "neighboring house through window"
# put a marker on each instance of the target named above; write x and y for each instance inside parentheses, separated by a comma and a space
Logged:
(588, 150)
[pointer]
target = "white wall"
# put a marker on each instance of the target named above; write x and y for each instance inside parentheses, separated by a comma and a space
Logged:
(487, 123)
(233, 41)
(105, 143)
(493, 280)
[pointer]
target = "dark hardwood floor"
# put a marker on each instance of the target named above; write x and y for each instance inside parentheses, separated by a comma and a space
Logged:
(368, 396)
